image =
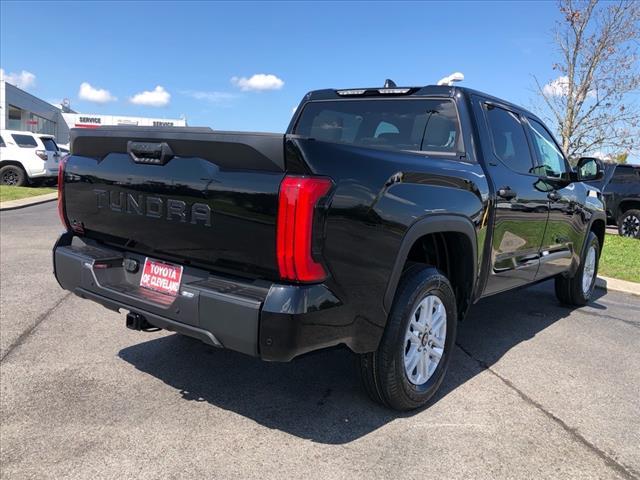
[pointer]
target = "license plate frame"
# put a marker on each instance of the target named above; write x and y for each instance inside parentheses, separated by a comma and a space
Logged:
(162, 277)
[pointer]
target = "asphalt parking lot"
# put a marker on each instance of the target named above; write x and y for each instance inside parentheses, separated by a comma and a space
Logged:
(535, 390)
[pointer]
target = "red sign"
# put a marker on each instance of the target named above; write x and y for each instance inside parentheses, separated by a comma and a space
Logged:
(161, 277)
(32, 122)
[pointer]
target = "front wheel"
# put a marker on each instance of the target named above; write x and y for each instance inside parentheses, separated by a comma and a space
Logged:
(578, 290)
(412, 358)
(13, 175)
(629, 224)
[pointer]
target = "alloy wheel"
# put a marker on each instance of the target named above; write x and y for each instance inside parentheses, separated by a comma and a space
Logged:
(425, 339)
(589, 270)
(630, 226)
(10, 178)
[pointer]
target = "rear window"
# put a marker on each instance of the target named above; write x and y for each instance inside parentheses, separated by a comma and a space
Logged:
(25, 141)
(2, 144)
(427, 125)
(49, 144)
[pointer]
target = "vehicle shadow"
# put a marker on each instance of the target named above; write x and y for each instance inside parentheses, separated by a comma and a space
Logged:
(318, 396)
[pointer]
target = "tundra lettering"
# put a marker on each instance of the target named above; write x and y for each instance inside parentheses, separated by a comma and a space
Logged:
(152, 207)
(375, 222)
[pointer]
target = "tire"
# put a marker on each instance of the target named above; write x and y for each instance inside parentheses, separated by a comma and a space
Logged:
(13, 175)
(629, 224)
(578, 290)
(385, 372)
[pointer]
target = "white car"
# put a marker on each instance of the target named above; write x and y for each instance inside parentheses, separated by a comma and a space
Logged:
(26, 157)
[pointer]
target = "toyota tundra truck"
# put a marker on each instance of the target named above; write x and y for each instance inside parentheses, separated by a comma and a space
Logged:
(375, 222)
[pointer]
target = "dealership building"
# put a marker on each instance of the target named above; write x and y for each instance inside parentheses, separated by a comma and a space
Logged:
(19, 110)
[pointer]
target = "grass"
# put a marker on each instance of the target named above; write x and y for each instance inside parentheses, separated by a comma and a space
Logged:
(15, 193)
(620, 258)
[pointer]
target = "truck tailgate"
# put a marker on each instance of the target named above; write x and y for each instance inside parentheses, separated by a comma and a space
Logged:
(187, 195)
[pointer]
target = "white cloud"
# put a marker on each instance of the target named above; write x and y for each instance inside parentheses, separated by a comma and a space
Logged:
(93, 94)
(24, 80)
(258, 82)
(211, 97)
(557, 88)
(560, 88)
(158, 97)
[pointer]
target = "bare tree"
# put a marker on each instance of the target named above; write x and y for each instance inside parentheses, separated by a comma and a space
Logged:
(594, 100)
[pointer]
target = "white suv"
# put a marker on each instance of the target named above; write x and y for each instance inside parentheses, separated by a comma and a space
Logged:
(26, 156)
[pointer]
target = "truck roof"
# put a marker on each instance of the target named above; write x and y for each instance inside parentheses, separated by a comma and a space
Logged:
(416, 91)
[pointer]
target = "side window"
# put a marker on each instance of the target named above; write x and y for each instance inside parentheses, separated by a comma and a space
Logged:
(2, 144)
(509, 140)
(24, 141)
(551, 158)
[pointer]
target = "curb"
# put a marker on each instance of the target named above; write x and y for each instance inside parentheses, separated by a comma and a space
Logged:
(616, 285)
(27, 202)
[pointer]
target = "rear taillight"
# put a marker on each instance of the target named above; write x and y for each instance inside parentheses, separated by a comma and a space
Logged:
(42, 154)
(61, 211)
(297, 203)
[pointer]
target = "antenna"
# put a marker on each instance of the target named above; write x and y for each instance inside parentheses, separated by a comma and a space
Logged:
(388, 83)
(448, 81)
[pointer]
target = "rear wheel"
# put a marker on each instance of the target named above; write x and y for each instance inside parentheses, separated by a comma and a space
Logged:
(13, 175)
(578, 290)
(412, 358)
(629, 224)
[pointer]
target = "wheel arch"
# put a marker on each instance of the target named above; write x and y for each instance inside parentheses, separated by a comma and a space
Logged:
(19, 165)
(16, 163)
(627, 204)
(438, 224)
(598, 227)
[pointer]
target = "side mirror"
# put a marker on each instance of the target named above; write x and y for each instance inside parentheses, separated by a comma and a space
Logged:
(589, 169)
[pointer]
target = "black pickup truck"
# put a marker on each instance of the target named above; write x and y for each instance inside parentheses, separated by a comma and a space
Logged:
(375, 222)
(620, 187)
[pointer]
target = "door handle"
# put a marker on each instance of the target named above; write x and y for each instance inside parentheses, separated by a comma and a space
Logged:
(554, 196)
(506, 193)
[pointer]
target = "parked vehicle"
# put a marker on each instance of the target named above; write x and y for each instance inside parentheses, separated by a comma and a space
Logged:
(375, 222)
(63, 148)
(26, 157)
(620, 187)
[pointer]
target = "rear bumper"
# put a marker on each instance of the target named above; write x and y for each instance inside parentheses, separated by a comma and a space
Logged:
(272, 321)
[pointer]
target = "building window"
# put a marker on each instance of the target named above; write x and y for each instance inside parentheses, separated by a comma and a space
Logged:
(14, 118)
(39, 124)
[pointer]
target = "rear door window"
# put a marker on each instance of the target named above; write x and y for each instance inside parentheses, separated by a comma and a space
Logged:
(49, 144)
(427, 125)
(509, 139)
(24, 141)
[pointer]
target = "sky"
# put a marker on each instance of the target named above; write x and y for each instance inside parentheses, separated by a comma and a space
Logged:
(245, 66)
